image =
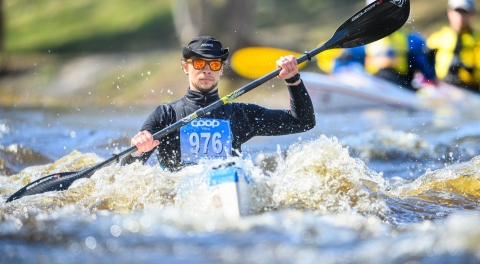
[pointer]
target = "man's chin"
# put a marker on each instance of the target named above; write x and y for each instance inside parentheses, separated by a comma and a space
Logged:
(205, 88)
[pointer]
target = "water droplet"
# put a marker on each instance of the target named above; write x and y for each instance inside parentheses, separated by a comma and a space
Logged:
(91, 242)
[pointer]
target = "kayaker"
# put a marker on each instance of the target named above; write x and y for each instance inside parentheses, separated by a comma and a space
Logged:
(221, 132)
(457, 59)
(396, 58)
(399, 57)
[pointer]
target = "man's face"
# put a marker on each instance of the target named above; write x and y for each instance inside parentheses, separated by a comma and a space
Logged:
(459, 19)
(202, 80)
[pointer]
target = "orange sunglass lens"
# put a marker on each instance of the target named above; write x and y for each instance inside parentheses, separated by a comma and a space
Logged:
(198, 64)
(215, 65)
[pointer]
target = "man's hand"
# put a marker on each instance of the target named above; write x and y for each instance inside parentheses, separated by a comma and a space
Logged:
(144, 142)
(289, 67)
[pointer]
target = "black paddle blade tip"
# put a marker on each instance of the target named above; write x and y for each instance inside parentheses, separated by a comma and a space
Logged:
(54, 182)
(375, 21)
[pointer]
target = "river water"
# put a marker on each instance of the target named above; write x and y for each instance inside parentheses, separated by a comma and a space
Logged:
(366, 185)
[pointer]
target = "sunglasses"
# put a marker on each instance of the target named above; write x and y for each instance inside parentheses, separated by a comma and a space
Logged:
(199, 64)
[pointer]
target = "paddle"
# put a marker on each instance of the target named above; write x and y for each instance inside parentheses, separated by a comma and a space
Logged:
(372, 23)
(263, 62)
(243, 64)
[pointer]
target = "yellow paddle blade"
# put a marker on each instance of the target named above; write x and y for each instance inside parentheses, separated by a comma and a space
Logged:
(326, 59)
(255, 62)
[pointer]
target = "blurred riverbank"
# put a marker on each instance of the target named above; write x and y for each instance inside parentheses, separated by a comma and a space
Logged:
(91, 79)
(111, 80)
(66, 55)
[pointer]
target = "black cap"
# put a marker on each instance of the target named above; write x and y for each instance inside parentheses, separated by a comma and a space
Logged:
(205, 47)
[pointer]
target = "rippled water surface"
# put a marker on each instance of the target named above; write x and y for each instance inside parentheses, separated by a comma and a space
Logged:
(366, 185)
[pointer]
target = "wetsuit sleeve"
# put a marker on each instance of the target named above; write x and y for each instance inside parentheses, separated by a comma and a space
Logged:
(418, 53)
(270, 122)
(154, 122)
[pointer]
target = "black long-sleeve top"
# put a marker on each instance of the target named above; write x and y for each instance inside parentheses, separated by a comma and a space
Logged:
(246, 121)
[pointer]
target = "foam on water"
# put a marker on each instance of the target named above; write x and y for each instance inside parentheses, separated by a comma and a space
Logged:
(317, 175)
(319, 203)
(321, 175)
(287, 236)
(461, 180)
(386, 144)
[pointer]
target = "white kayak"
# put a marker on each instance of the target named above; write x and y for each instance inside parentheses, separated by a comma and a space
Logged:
(223, 185)
(231, 191)
(353, 89)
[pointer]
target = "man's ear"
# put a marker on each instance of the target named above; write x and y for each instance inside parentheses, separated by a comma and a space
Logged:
(185, 68)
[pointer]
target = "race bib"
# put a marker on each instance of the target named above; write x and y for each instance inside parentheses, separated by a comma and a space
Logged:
(205, 138)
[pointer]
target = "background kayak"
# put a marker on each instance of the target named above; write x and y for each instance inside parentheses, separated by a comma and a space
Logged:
(354, 89)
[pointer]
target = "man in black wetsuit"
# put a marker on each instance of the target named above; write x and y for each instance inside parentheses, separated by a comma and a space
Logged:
(221, 132)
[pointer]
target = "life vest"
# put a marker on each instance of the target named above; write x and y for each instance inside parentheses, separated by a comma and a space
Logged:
(445, 42)
(389, 52)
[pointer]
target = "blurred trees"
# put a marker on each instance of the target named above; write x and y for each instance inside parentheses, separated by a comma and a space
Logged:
(2, 27)
(72, 26)
(238, 22)
(228, 19)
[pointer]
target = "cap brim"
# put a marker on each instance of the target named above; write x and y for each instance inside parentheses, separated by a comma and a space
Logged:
(188, 53)
(467, 8)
